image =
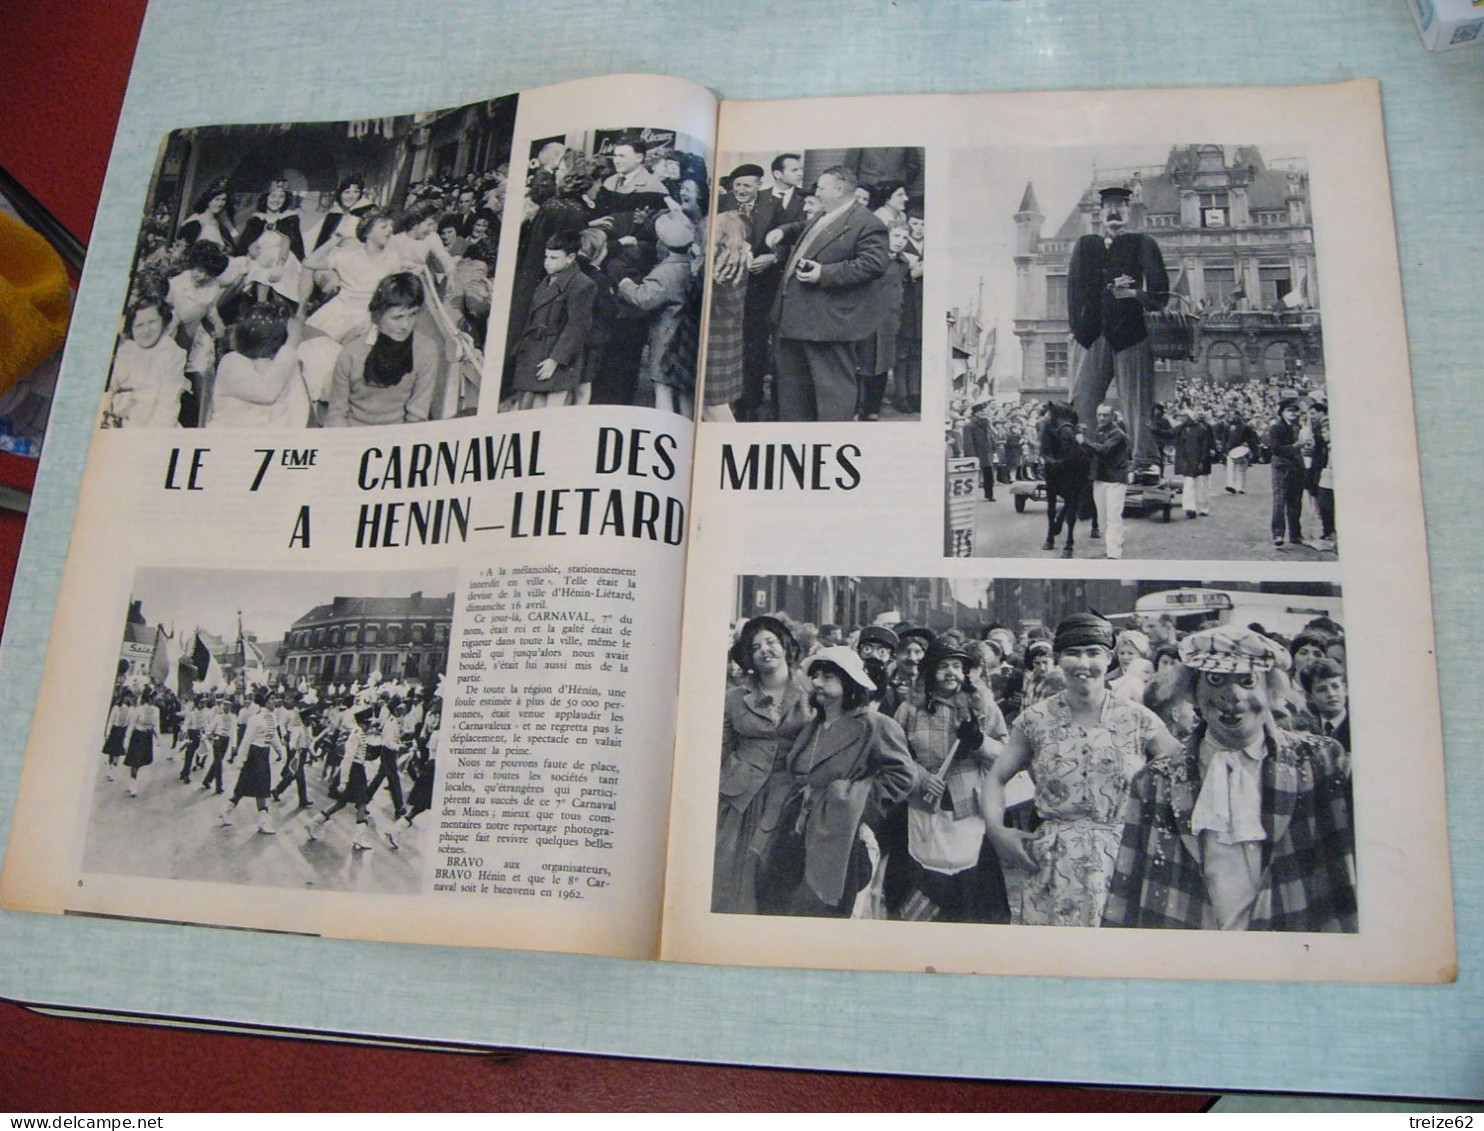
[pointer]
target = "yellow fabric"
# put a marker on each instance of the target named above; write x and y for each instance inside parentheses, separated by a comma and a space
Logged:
(34, 305)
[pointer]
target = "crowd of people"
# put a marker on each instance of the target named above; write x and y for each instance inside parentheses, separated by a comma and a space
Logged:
(1083, 776)
(816, 303)
(277, 746)
(1207, 424)
(271, 313)
(606, 305)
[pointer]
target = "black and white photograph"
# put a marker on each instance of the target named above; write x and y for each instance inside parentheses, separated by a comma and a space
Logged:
(1028, 751)
(254, 720)
(606, 305)
(315, 275)
(1165, 392)
(817, 282)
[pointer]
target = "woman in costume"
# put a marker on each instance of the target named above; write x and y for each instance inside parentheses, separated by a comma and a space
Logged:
(118, 729)
(762, 718)
(139, 744)
(260, 739)
(1082, 746)
(209, 219)
(273, 243)
(358, 766)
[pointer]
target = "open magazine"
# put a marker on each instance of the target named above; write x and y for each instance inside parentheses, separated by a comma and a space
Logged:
(982, 516)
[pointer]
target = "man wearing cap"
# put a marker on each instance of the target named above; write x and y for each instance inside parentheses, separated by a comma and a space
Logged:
(982, 440)
(824, 304)
(1286, 444)
(944, 868)
(906, 669)
(782, 203)
(741, 195)
(1113, 278)
(1247, 827)
(876, 642)
(847, 768)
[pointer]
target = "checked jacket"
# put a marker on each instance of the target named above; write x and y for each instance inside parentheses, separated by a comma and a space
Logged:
(1308, 875)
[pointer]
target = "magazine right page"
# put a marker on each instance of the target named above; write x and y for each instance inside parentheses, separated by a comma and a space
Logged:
(1057, 593)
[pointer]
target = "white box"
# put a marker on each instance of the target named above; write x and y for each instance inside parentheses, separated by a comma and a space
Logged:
(1446, 24)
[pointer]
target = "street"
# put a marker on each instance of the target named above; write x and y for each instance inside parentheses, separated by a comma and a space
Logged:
(1237, 529)
(172, 830)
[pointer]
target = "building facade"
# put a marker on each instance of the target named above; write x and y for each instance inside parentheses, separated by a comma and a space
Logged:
(1238, 243)
(343, 642)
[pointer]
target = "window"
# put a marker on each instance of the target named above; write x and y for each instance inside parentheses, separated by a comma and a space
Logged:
(1215, 210)
(440, 632)
(418, 634)
(1276, 281)
(1056, 364)
(335, 637)
(368, 661)
(371, 633)
(319, 637)
(1056, 296)
(1220, 282)
(392, 635)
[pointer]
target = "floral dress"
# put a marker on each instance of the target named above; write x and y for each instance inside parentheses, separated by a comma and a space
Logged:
(1081, 776)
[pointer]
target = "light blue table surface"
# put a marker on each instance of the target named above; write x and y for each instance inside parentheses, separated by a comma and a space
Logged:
(211, 61)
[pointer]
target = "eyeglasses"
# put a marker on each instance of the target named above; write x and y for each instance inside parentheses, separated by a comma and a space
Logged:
(1221, 679)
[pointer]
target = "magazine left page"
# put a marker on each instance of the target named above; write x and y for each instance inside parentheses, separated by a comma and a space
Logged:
(360, 633)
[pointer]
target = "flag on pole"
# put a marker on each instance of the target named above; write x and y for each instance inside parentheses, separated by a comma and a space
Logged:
(164, 663)
(209, 675)
(253, 669)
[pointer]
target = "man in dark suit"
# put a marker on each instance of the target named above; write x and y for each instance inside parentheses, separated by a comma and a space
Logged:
(1113, 278)
(787, 192)
(981, 437)
(824, 304)
(1324, 684)
(1285, 441)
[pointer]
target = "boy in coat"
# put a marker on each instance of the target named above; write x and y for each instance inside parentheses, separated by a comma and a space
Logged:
(548, 354)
